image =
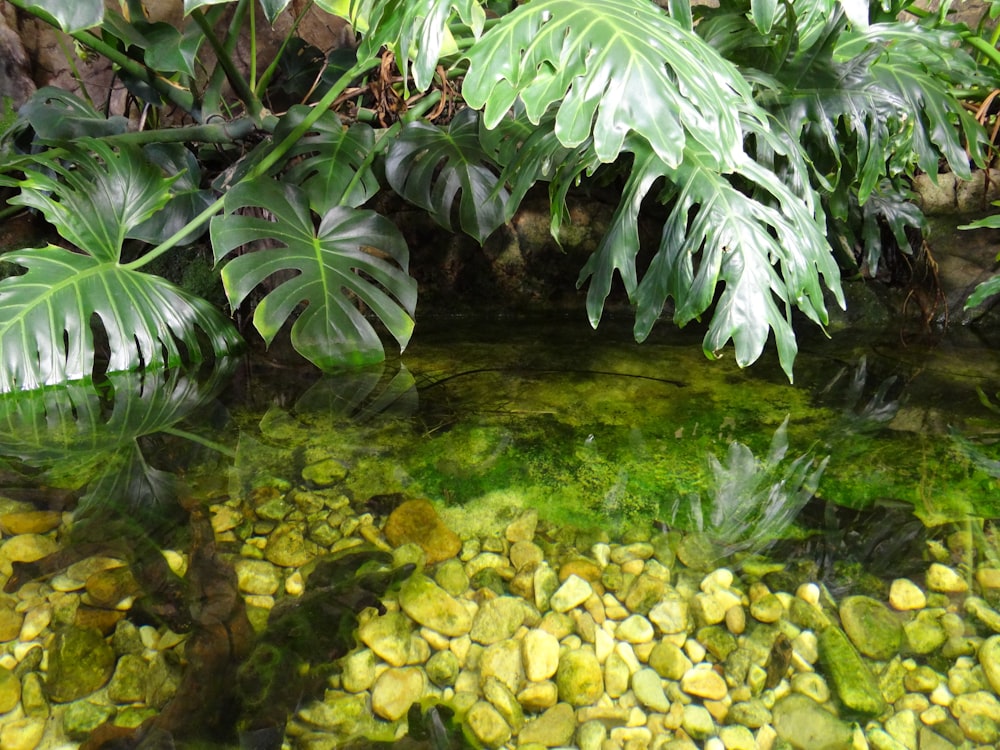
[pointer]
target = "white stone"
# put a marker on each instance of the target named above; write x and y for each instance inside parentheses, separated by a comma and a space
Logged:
(942, 578)
(721, 578)
(573, 592)
(635, 629)
(396, 690)
(808, 592)
(540, 654)
(704, 682)
(905, 595)
(604, 644)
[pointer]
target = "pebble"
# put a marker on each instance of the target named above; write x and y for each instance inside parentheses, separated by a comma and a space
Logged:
(488, 725)
(579, 677)
(573, 592)
(395, 690)
(431, 606)
(905, 595)
(648, 688)
(635, 629)
(944, 579)
(704, 682)
(540, 654)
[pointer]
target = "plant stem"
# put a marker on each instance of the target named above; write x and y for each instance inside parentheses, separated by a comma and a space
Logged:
(236, 80)
(272, 158)
(369, 158)
(265, 79)
(195, 438)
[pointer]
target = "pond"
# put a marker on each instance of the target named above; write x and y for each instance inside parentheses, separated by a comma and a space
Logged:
(520, 533)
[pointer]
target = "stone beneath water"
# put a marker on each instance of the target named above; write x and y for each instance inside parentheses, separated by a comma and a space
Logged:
(579, 677)
(989, 658)
(497, 620)
(853, 681)
(554, 728)
(416, 521)
(396, 690)
(433, 607)
(872, 628)
(80, 662)
(806, 725)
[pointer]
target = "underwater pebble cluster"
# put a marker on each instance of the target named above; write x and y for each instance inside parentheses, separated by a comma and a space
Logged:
(534, 639)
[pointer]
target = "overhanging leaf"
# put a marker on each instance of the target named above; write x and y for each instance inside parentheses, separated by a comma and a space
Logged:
(70, 16)
(352, 256)
(46, 334)
(615, 67)
(434, 167)
(274, 8)
(98, 202)
(187, 200)
(328, 158)
(57, 115)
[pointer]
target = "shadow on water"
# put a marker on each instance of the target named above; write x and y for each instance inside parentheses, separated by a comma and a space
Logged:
(850, 474)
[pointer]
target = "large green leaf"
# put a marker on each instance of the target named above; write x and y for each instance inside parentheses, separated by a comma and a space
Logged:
(352, 256)
(433, 167)
(615, 67)
(415, 30)
(57, 115)
(187, 200)
(46, 334)
(47, 314)
(70, 15)
(96, 203)
(327, 160)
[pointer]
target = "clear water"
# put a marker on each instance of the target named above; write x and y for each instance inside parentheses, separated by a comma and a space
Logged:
(487, 418)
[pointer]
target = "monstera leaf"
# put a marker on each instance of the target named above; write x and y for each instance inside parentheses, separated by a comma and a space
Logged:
(770, 254)
(75, 16)
(434, 167)
(415, 30)
(615, 67)
(46, 314)
(331, 158)
(352, 256)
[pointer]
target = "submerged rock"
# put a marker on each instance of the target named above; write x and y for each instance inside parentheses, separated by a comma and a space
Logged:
(806, 725)
(80, 662)
(433, 607)
(872, 628)
(579, 677)
(416, 521)
(853, 682)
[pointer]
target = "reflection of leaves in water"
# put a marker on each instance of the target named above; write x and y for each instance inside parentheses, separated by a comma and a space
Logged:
(361, 395)
(749, 502)
(865, 416)
(82, 432)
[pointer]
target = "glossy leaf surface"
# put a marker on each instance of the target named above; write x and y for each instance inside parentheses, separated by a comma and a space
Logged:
(435, 168)
(615, 67)
(70, 15)
(351, 255)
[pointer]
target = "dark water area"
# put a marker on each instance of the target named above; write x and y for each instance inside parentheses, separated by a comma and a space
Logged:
(877, 451)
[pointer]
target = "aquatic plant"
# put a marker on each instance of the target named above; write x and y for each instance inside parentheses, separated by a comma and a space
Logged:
(759, 126)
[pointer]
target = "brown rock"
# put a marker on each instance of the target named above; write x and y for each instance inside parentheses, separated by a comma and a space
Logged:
(416, 522)
(30, 522)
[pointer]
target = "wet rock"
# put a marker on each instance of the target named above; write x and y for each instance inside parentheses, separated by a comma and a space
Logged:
(10, 690)
(431, 606)
(573, 592)
(256, 577)
(767, 609)
(504, 701)
(540, 654)
(83, 717)
(704, 682)
(905, 595)
(697, 722)
(503, 661)
(538, 696)
(983, 612)
(668, 660)
(128, 681)
(21, 734)
(416, 521)
(753, 713)
(450, 575)
(591, 735)
(554, 728)
(989, 658)
(805, 725)
(545, 583)
(522, 529)
(579, 677)
(924, 634)
(26, 548)
(497, 620)
(357, 671)
(287, 548)
(33, 699)
(644, 594)
(672, 614)
(80, 662)
(325, 472)
(126, 639)
(852, 680)
(443, 668)
(648, 688)
(388, 636)
(634, 629)
(10, 619)
(872, 628)
(30, 522)
(616, 675)
(396, 690)
(948, 580)
(488, 726)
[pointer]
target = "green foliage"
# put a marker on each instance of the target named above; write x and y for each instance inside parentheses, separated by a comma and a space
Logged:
(758, 127)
